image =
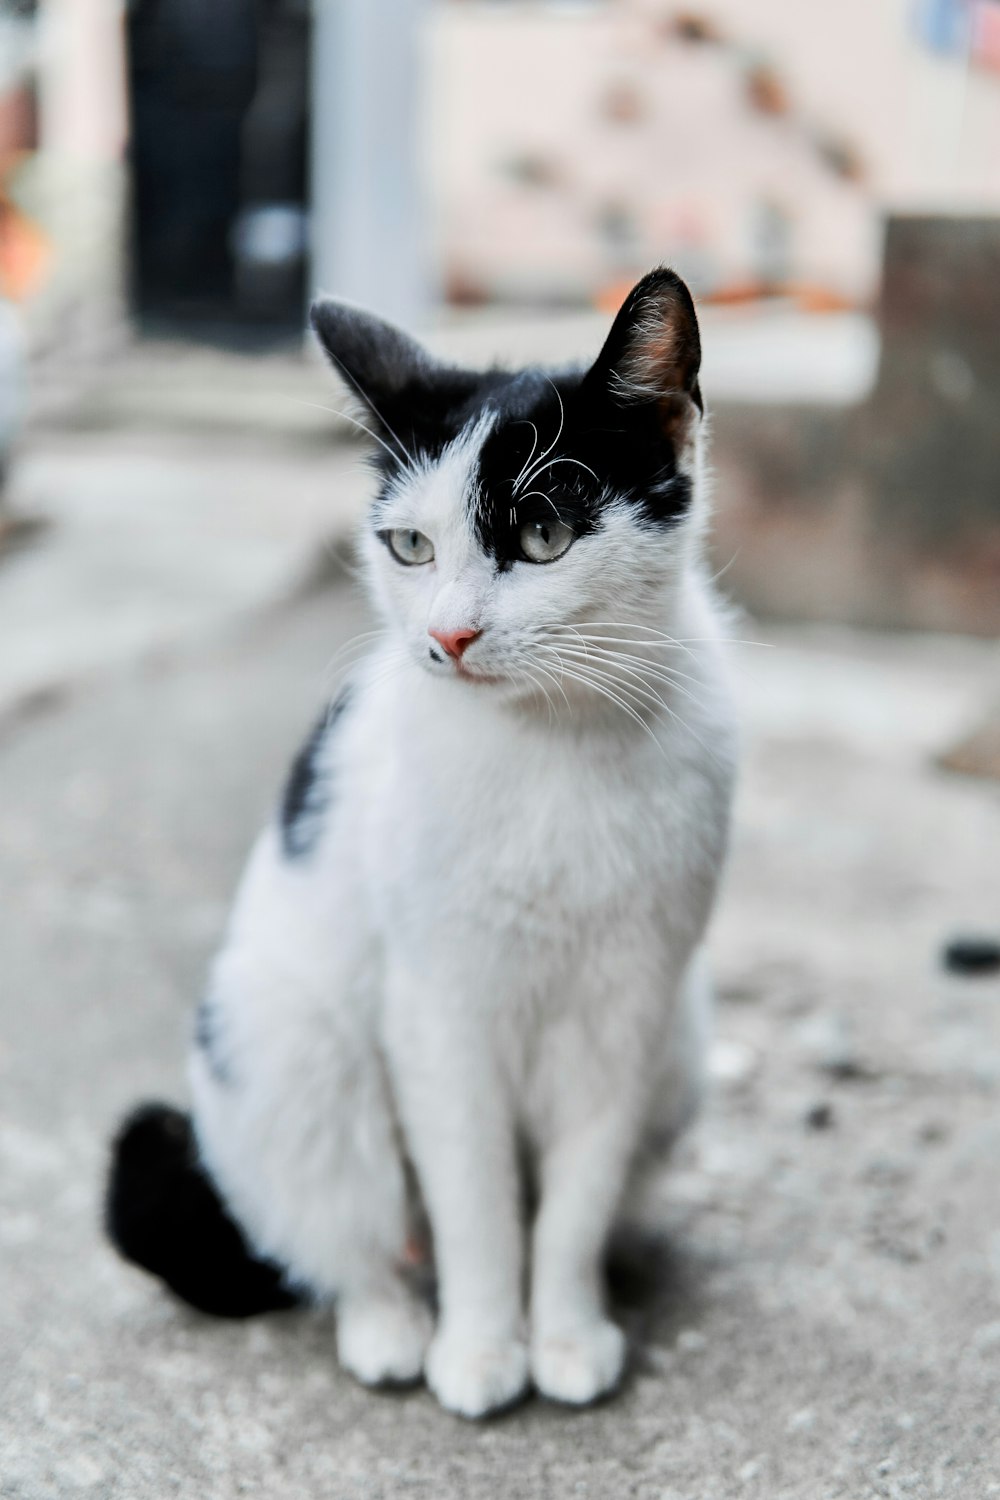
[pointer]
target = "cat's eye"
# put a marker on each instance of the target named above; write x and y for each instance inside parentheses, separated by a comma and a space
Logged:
(544, 541)
(409, 546)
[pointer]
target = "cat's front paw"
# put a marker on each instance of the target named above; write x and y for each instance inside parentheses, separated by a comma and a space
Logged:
(579, 1365)
(473, 1376)
(382, 1340)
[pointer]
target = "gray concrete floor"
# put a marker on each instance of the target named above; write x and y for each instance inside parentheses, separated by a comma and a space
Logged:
(819, 1314)
(154, 537)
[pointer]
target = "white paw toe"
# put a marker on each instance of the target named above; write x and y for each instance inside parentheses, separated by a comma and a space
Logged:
(474, 1376)
(382, 1341)
(579, 1366)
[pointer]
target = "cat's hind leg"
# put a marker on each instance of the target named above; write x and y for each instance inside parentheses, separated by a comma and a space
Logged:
(295, 1124)
(674, 1100)
(295, 1157)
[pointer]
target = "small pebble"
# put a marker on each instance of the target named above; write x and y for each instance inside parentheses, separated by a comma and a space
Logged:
(731, 1062)
(848, 1069)
(828, 1040)
(820, 1116)
(690, 1341)
(655, 1361)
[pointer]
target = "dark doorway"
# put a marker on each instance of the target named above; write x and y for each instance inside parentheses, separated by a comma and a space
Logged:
(219, 105)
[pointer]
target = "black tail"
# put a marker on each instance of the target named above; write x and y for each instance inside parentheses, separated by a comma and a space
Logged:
(163, 1212)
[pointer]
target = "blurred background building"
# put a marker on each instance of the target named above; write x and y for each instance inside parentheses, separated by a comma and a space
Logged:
(176, 170)
(526, 152)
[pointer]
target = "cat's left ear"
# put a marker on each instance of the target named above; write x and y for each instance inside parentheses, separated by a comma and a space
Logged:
(653, 354)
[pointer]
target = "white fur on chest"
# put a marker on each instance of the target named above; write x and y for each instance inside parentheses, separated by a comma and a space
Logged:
(481, 823)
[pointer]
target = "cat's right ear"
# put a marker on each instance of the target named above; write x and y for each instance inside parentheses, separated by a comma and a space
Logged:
(408, 397)
(376, 361)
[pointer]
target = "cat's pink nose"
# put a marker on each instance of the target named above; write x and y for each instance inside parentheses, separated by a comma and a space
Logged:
(454, 641)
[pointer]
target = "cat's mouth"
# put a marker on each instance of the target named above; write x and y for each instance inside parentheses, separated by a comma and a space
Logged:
(467, 676)
(462, 671)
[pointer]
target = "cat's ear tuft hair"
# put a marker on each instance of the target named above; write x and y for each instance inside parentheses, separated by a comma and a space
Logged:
(653, 353)
(376, 360)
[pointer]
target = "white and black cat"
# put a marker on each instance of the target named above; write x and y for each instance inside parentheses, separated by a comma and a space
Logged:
(466, 952)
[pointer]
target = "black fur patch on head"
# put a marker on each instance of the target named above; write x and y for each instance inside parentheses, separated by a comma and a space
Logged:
(162, 1212)
(561, 447)
(561, 444)
(308, 790)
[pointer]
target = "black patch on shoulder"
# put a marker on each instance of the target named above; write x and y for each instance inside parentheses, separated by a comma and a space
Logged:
(210, 1039)
(162, 1212)
(308, 790)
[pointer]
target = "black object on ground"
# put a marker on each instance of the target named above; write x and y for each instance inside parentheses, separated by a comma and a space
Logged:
(972, 955)
(820, 1116)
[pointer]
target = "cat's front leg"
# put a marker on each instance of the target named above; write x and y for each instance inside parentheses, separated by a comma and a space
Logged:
(577, 1352)
(459, 1129)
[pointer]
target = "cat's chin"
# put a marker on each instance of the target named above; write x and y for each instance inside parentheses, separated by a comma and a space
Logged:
(455, 672)
(462, 674)
(487, 685)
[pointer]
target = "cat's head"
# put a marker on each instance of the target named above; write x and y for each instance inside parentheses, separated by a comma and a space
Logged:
(529, 525)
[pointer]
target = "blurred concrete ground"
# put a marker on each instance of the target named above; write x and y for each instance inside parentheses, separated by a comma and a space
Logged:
(154, 538)
(822, 1317)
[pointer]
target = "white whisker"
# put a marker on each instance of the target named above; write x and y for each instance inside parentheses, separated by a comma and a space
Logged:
(724, 570)
(594, 673)
(548, 500)
(586, 680)
(636, 674)
(555, 681)
(357, 644)
(411, 463)
(681, 641)
(652, 635)
(540, 687)
(635, 666)
(530, 458)
(555, 440)
(659, 668)
(564, 458)
(636, 693)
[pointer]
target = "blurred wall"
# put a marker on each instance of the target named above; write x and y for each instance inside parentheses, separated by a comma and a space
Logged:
(68, 188)
(754, 146)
